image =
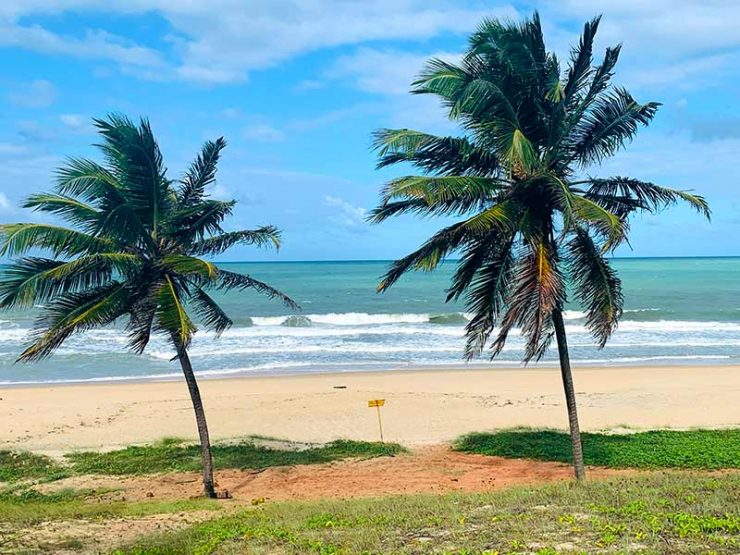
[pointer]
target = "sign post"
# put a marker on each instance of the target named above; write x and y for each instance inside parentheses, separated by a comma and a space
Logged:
(377, 403)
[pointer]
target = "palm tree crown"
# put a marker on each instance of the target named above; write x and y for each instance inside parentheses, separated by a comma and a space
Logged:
(133, 247)
(532, 219)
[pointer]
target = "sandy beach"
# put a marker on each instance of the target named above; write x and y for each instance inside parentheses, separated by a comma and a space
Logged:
(422, 407)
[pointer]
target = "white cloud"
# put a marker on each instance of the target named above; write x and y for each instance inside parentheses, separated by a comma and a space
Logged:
(682, 43)
(310, 85)
(231, 113)
(93, 44)
(12, 149)
(75, 121)
(379, 71)
(5, 203)
(264, 133)
(389, 73)
(331, 116)
(36, 132)
(664, 26)
(683, 74)
(347, 214)
(37, 94)
(219, 41)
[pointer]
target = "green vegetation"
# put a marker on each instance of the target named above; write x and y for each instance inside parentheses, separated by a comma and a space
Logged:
(667, 513)
(72, 512)
(16, 466)
(133, 250)
(696, 449)
(26, 506)
(532, 225)
(172, 455)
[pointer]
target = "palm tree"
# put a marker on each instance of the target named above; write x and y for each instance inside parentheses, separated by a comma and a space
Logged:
(132, 251)
(531, 219)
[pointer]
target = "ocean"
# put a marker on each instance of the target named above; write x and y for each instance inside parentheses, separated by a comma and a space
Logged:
(677, 311)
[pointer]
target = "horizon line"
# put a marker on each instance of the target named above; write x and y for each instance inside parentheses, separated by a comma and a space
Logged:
(333, 260)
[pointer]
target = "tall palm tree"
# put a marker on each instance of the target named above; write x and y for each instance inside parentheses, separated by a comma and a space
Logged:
(132, 251)
(532, 220)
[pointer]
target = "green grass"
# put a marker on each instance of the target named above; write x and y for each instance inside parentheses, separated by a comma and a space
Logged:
(25, 506)
(661, 513)
(16, 466)
(693, 449)
(173, 455)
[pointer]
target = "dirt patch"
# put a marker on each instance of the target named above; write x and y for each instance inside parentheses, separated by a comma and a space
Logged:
(88, 536)
(428, 470)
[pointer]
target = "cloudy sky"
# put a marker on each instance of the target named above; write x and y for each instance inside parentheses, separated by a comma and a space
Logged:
(296, 87)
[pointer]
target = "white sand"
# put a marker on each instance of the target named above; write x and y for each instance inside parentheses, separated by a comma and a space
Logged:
(422, 407)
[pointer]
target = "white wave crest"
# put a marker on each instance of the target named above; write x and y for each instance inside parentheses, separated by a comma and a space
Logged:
(348, 319)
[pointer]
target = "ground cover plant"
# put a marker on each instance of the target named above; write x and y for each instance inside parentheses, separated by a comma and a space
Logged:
(176, 456)
(658, 513)
(698, 449)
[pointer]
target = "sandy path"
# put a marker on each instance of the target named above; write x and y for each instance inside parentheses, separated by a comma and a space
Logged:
(422, 407)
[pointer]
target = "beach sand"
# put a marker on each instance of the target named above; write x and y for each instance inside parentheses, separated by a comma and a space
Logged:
(423, 407)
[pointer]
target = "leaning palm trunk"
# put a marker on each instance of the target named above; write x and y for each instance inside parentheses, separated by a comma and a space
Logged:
(570, 395)
(200, 419)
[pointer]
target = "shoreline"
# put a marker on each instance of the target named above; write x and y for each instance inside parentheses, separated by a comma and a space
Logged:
(290, 372)
(423, 406)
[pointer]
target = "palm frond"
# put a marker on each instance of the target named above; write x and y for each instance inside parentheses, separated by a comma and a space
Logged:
(72, 313)
(88, 180)
(211, 314)
(19, 283)
(441, 78)
(428, 256)
(18, 239)
(134, 154)
(432, 154)
(72, 210)
(195, 222)
(486, 294)
(459, 189)
(649, 196)
(232, 280)
(608, 225)
(141, 316)
(537, 290)
(171, 316)
(612, 121)
(266, 236)
(31, 281)
(580, 62)
(189, 266)
(101, 189)
(202, 172)
(596, 285)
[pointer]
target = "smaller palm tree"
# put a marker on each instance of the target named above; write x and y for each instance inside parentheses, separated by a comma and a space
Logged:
(133, 250)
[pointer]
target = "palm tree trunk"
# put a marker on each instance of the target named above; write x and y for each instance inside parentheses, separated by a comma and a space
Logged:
(200, 419)
(570, 395)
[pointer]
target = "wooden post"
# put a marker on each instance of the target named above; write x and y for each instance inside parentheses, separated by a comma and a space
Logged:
(377, 403)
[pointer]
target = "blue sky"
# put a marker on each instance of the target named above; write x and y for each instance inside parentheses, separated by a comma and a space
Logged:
(296, 87)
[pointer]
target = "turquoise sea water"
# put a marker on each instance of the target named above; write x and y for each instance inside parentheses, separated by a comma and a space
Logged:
(678, 311)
